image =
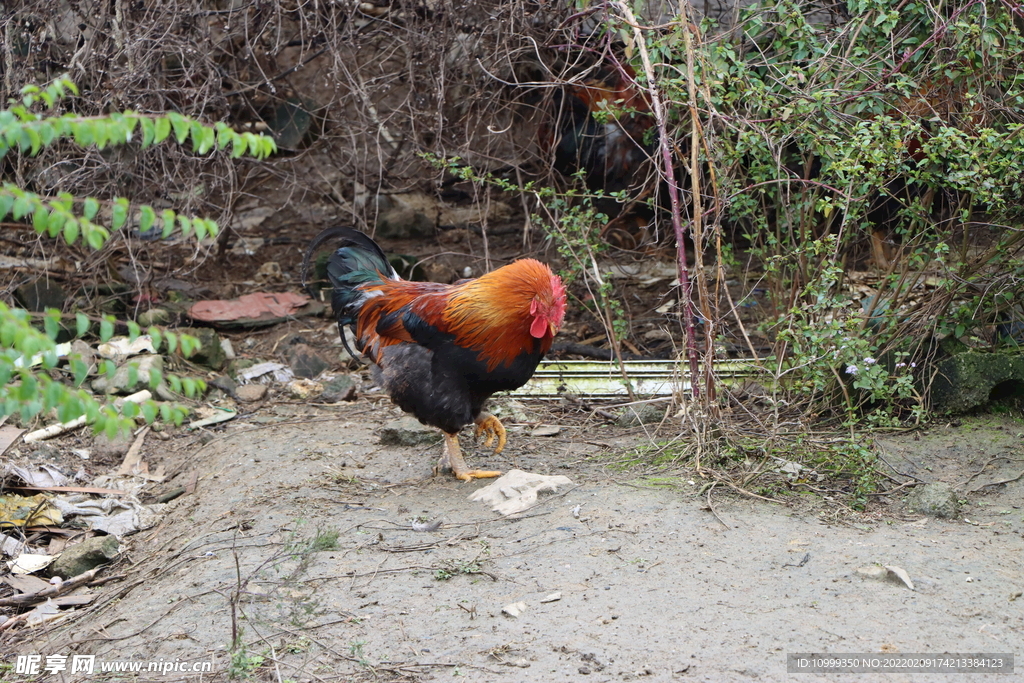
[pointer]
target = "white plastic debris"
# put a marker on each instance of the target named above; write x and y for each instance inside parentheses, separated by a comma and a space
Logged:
(518, 490)
(281, 373)
(119, 348)
(29, 563)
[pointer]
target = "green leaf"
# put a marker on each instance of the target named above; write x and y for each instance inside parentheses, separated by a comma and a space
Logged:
(157, 336)
(89, 208)
(81, 324)
(79, 370)
(181, 126)
(186, 225)
(148, 131)
(130, 409)
(41, 220)
(149, 411)
(168, 217)
(188, 385)
(199, 225)
(118, 213)
(224, 134)
(172, 342)
(34, 140)
(146, 217)
(22, 206)
(51, 324)
(70, 230)
(106, 328)
(95, 235)
(207, 141)
(238, 146)
(6, 201)
(133, 330)
(163, 128)
(196, 130)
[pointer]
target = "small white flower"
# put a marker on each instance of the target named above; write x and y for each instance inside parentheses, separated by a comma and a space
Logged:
(851, 369)
(869, 361)
(128, 136)
(913, 365)
(901, 365)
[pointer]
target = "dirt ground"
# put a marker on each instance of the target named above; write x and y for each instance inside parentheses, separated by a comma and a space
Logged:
(300, 535)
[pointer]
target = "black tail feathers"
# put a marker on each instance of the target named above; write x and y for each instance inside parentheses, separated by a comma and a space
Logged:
(357, 261)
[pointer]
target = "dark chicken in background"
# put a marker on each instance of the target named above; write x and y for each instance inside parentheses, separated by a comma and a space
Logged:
(601, 127)
(441, 350)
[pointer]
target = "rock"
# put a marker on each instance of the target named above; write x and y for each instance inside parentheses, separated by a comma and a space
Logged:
(936, 500)
(269, 272)
(966, 380)
(229, 349)
(41, 294)
(305, 361)
(404, 216)
(341, 388)
(304, 389)
(84, 353)
(514, 609)
(225, 384)
(644, 414)
(408, 432)
(121, 383)
(546, 430)
(154, 316)
(247, 393)
(210, 352)
(111, 449)
(552, 598)
(84, 556)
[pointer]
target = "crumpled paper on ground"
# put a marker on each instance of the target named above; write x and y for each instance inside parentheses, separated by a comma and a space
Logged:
(115, 516)
(45, 475)
(517, 490)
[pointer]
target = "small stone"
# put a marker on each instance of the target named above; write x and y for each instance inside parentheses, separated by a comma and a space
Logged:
(936, 499)
(546, 430)
(644, 414)
(305, 361)
(84, 353)
(514, 609)
(108, 449)
(210, 352)
(305, 389)
(84, 556)
(585, 670)
(225, 384)
(247, 393)
(341, 388)
(269, 272)
(228, 348)
(154, 316)
(872, 572)
(552, 598)
(41, 294)
(408, 432)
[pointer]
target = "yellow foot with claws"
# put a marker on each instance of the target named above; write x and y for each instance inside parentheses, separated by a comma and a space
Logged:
(492, 427)
(451, 459)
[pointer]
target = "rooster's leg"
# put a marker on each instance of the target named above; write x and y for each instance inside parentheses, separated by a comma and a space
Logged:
(492, 427)
(452, 459)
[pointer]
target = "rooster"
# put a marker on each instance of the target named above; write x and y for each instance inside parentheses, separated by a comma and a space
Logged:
(441, 350)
